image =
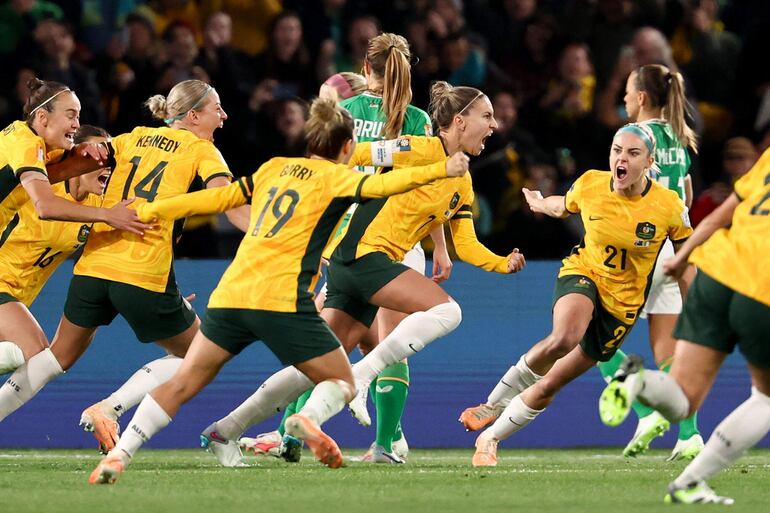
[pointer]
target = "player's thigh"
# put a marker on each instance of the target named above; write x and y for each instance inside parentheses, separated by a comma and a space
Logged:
(178, 345)
(331, 365)
(410, 292)
(387, 320)
(70, 342)
(18, 325)
(346, 325)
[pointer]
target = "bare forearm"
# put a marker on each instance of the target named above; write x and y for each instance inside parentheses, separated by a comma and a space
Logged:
(239, 217)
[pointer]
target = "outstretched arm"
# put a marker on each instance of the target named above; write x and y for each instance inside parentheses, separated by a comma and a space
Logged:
(552, 206)
(470, 250)
(403, 180)
(208, 201)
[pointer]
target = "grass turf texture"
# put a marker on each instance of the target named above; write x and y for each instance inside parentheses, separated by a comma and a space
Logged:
(190, 481)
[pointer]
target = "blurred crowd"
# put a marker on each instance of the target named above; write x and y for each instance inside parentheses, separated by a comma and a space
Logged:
(554, 69)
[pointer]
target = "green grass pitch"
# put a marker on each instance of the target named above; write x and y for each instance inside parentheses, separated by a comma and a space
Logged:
(188, 481)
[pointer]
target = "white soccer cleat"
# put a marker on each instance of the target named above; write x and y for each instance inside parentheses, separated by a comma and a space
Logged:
(400, 447)
(228, 452)
(357, 405)
(378, 454)
(109, 469)
(696, 493)
(687, 449)
(648, 429)
(265, 444)
(101, 420)
(11, 357)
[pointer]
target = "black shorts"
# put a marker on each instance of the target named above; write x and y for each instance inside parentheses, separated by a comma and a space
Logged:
(350, 286)
(605, 333)
(93, 302)
(716, 316)
(294, 337)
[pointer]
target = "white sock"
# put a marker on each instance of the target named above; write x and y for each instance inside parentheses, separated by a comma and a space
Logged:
(271, 397)
(327, 399)
(518, 378)
(148, 420)
(11, 356)
(515, 416)
(740, 430)
(142, 382)
(27, 381)
(410, 336)
(661, 392)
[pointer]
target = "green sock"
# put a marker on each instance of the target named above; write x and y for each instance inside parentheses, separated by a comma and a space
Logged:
(608, 370)
(390, 398)
(292, 408)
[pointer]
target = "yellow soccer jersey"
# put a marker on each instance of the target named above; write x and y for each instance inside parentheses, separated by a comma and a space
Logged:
(623, 237)
(31, 249)
(737, 257)
(296, 203)
(150, 164)
(21, 151)
(394, 225)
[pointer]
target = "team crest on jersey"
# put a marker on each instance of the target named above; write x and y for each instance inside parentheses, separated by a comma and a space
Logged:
(83, 233)
(454, 201)
(645, 230)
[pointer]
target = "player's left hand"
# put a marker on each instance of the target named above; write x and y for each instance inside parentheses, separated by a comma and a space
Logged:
(675, 266)
(442, 266)
(516, 261)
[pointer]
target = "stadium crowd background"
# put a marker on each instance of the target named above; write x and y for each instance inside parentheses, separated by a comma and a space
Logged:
(555, 70)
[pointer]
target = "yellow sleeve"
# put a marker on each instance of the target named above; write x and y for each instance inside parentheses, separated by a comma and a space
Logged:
(29, 156)
(754, 179)
(680, 228)
(467, 245)
(211, 164)
(359, 186)
(207, 201)
(574, 196)
(405, 151)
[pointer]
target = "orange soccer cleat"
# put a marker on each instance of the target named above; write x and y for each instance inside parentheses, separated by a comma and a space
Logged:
(100, 420)
(109, 469)
(479, 417)
(323, 446)
(486, 450)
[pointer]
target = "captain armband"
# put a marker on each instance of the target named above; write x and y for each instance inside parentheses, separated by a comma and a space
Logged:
(383, 151)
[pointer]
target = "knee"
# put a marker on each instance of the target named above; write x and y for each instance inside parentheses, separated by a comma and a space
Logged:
(448, 314)
(559, 344)
(348, 388)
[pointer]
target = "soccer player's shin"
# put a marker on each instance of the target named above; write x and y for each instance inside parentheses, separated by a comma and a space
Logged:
(409, 337)
(515, 416)
(142, 382)
(271, 397)
(740, 430)
(661, 392)
(148, 420)
(392, 388)
(27, 381)
(517, 379)
(327, 399)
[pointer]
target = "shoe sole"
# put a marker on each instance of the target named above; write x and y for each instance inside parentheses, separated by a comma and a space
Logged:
(106, 437)
(324, 448)
(613, 404)
(104, 475)
(472, 422)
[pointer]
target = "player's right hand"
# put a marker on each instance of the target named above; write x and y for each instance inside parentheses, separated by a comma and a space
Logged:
(124, 218)
(457, 165)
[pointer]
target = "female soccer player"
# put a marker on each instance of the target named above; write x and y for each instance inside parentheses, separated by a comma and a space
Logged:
(601, 286)
(265, 294)
(121, 272)
(31, 249)
(365, 271)
(655, 98)
(727, 305)
(28, 150)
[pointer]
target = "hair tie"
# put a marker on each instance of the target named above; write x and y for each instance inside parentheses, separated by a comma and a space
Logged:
(668, 77)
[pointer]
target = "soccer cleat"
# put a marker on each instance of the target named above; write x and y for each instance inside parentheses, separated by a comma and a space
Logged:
(323, 446)
(228, 452)
(695, 493)
(479, 417)
(616, 399)
(11, 357)
(378, 454)
(687, 449)
(109, 469)
(486, 450)
(101, 420)
(265, 444)
(648, 429)
(290, 449)
(401, 448)
(357, 405)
